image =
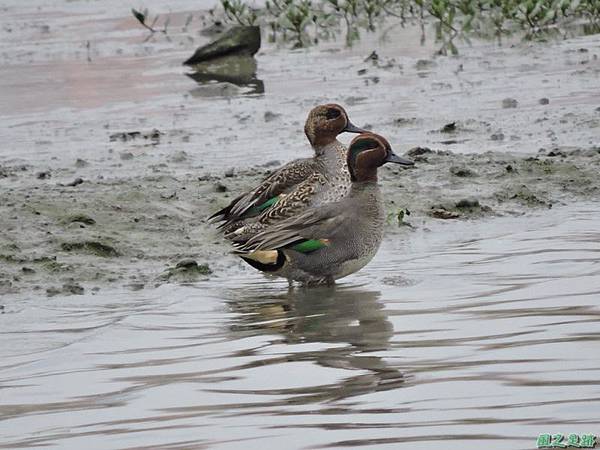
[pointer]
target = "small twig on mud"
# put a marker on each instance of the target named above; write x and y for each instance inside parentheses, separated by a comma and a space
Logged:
(141, 17)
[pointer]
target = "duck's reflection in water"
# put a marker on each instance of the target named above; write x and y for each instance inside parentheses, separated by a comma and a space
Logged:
(328, 315)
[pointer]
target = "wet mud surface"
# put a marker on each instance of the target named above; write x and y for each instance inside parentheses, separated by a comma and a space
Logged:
(64, 238)
(126, 323)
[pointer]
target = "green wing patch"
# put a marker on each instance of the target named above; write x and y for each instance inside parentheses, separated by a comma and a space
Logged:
(260, 208)
(310, 245)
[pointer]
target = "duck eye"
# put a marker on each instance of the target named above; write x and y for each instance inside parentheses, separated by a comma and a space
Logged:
(332, 114)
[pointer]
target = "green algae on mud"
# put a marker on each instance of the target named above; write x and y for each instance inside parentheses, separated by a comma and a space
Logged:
(140, 231)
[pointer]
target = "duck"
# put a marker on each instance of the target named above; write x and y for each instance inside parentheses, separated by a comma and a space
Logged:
(330, 241)
(291, 187)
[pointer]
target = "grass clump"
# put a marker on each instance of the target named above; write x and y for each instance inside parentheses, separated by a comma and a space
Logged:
(305, 22)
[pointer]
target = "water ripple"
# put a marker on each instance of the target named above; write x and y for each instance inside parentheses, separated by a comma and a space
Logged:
(484, 341)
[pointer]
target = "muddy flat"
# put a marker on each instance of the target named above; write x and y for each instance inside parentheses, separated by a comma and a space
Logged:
(474, 327)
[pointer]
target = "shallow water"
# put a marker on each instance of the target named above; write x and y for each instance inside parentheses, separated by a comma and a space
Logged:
(481, 335)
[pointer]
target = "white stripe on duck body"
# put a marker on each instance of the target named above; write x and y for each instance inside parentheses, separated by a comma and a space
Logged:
(290, 189)
(333, 240)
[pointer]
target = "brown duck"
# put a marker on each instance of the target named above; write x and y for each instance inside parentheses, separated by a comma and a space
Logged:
(298, 184)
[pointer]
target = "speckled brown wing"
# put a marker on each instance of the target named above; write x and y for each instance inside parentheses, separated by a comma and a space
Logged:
(289, 205)
(295, 201)
(279, 182)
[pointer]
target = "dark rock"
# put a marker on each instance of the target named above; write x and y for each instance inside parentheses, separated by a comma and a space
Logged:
(220, 187)
(52, 291)
(187, 263)
(372, 57)
(497, 136)
(401, 121)
(80, 218)
(186, 270)
(72, 288)
(525, 196)
(136, 286)
(126, 156)
(75, 182)
(397, 280)
(509, 103)
(424, 64)
(239, 41)
(179, 157)
(543, 101)
(354, 100)
(440, 213)
(80, 163)
(417, 151)
(125, 135)
(467, 203)
(154, 134)
(270, 116)
(271, 163)
(449, 127)
(361, 72)
(93, 247)
(43, 175)
(462, 172)
(27, 270)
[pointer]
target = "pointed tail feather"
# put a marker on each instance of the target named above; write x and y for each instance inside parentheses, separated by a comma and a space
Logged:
(225, 214)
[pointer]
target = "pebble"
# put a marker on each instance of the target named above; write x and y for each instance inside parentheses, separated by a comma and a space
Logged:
(272, 163)
(75, 182)
(439, 213)
(509, 103)
(220, 187)
(462, 172)
(416, 151)
(467, 203)
(270, 116)
(73, 288)
(187, 263)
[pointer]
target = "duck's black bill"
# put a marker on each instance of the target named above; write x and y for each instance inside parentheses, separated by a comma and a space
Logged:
(393, 158)
(351, 128)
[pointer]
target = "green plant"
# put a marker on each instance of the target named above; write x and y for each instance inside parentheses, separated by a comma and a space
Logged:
(142, 16)
(238, 11)
(306, 21)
